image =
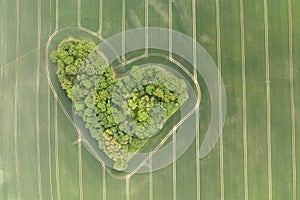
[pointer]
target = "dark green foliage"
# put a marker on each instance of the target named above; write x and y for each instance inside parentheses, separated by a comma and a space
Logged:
(146, 99)
(122, 114)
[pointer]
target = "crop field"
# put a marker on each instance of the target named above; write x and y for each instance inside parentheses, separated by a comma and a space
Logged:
(256, 47)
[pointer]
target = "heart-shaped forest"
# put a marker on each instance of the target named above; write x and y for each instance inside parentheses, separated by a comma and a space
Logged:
(121, 112)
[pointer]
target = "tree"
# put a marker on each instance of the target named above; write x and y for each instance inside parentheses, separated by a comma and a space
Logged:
(102, 106)
(66, 44)
(159, 92)
(89, 112)
(69, 60)
(136, 74)
(150, 89)
(132, 104)
(54, 56)
(66, 84)
(120, 164)
(118, 116)
(79, 106)
(71, 70)
(142, 116)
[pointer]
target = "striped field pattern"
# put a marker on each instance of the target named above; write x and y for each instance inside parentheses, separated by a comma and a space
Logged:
(256, 47)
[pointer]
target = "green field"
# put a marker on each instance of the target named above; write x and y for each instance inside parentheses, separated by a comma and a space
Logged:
(256, 46)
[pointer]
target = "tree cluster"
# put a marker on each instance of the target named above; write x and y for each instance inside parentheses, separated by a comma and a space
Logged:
(91, 100)
(120, 113)
(145, 99)
(69, 56)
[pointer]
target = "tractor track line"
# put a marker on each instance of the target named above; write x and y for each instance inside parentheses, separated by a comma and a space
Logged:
(194, 19)
(220, 98)
(16, 88)
(38, 153)
(244, 98)
(292, 93)
(268, 98)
